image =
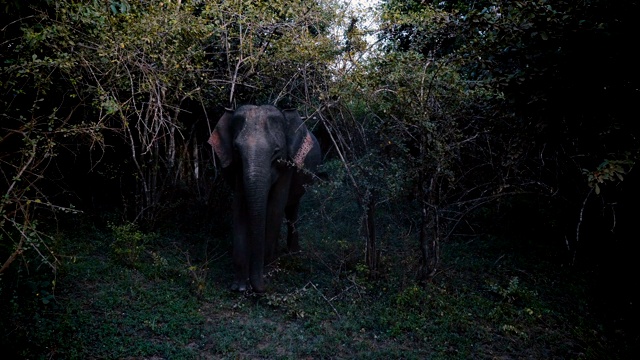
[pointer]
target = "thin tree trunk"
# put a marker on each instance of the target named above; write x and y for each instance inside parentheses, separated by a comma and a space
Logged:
(429, 232)
(370, 234)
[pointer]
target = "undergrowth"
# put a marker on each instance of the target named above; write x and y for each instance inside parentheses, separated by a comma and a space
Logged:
(168, 298)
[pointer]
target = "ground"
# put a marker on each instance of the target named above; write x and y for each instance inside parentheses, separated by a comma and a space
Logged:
(168, 298)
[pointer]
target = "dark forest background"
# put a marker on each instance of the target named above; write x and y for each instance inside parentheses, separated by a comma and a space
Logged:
(451, 119)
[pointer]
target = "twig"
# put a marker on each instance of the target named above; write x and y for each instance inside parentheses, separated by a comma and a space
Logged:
(584, 204)
(325, 299)
(13, 256)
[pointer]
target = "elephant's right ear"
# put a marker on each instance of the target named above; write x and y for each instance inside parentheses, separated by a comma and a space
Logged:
(221, 139)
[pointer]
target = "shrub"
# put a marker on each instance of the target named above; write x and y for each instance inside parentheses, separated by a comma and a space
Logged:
(128, 242)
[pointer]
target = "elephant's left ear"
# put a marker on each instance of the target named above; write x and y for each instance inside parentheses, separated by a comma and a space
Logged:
(299, 139)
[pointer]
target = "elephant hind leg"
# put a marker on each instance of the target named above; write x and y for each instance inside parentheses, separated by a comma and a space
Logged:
(293, 240)
(257, 283)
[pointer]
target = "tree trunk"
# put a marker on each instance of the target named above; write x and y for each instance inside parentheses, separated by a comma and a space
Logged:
(429, 232)
(369, 230)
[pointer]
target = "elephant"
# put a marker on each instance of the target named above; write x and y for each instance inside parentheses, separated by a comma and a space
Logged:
(268, 156)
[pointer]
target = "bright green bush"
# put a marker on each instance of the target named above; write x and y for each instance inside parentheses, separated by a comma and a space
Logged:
(129, 242)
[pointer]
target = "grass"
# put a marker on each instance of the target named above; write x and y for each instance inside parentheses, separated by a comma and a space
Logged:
(170, 301)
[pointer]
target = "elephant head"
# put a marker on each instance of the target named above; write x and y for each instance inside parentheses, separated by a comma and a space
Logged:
(261, 150)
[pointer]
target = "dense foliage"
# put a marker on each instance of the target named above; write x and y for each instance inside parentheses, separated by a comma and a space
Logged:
(510, 118)
(122, 92)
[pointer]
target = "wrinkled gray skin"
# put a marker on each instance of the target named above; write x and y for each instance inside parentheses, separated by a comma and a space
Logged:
(267, 156)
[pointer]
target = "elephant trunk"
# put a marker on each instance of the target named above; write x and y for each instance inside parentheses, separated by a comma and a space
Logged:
(256, 187)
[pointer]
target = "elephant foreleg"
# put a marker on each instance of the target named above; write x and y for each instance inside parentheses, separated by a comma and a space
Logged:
(240, 244)
(291, 212)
